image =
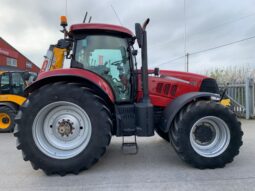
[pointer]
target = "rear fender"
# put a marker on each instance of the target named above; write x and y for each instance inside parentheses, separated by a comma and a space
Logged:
(87, 78)
(176, 105)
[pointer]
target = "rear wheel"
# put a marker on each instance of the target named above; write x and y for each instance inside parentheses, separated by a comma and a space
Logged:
(7, 116)
(63, 128)
(206, 135)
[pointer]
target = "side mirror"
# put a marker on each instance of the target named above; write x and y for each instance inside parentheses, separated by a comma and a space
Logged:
(139, 34)
(134, 52)
(64, 44)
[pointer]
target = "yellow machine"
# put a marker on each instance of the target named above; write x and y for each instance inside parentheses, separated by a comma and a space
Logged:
(12, 85)
(54, 58)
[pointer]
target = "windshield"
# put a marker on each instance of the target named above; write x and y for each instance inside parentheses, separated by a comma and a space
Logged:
(108, 57)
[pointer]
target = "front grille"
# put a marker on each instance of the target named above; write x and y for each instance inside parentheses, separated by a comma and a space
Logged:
(209, 85)
(173, 90)
(159, 87)
(166, 89)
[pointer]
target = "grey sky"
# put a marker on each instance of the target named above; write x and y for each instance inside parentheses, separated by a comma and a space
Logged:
(31, 25)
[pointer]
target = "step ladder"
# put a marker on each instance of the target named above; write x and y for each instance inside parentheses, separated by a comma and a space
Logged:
(130, 148)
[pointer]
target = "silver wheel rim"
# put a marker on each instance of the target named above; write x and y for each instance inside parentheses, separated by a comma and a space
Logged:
(219, 140)
(61, 130)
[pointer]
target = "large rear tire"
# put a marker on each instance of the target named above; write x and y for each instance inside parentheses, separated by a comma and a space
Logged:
(206, 135)
(7, 116)
(63, 128)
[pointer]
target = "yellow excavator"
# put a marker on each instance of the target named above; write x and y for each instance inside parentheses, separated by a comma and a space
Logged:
(12, 85)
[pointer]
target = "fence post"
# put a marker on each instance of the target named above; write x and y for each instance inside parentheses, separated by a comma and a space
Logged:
(252, 96)
(248, 98)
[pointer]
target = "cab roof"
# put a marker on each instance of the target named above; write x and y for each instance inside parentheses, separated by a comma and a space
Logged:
(101, 27)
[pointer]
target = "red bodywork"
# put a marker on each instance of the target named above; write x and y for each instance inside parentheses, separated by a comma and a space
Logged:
(102, 27)
(80, 73)
(170, 84)
(162, 90)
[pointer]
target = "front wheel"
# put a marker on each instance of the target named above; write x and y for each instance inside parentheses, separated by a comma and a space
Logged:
(63, 128)
(206, 135)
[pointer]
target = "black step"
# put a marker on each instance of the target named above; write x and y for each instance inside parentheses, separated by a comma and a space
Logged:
(130, 148)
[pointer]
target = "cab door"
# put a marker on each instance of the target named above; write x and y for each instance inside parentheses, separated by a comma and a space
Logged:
(5, 87)
(17, 83)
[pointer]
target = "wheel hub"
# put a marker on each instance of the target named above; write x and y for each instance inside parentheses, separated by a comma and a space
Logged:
(65, 128)
(5, 120)
(204, 133)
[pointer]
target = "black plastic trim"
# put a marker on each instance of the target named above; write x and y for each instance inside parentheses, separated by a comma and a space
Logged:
(174, 107)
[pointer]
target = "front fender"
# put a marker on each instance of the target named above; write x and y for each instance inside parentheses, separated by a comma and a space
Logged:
(90, 79)
(175, 106)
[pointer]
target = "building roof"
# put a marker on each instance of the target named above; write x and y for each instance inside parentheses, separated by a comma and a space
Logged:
(18, 51)
(103, 27)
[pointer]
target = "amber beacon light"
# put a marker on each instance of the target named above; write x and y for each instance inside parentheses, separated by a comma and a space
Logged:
(63, 21)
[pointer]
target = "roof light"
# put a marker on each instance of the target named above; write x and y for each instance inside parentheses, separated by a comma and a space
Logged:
(63, 21)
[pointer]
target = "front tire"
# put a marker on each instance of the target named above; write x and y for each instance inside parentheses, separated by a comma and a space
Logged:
(206, 135)
(63, 128)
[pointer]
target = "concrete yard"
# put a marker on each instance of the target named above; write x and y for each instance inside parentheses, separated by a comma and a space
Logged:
(155, 167)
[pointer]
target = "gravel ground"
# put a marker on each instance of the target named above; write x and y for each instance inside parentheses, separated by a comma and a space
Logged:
(155, 167)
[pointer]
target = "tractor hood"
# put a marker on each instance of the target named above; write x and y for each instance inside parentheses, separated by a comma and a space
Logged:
(170, 84)
(184, 77)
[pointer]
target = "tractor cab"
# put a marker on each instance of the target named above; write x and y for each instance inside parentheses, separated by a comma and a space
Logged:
(108, 56)
(103, 49)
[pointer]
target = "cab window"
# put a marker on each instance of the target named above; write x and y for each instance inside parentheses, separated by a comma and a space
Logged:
(5, 84)
(17, 83)
(108, 57)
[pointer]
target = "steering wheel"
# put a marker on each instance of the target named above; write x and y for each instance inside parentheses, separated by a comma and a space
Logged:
(115, 79)
(116, 63)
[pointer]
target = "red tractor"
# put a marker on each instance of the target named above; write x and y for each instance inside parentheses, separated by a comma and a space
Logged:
(71, 114)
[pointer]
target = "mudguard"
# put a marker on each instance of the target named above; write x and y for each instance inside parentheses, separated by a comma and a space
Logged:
(11, 98)
(73, 75)
(175, 106)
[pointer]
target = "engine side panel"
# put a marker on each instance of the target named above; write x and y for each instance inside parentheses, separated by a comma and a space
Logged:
(169, 85)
